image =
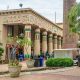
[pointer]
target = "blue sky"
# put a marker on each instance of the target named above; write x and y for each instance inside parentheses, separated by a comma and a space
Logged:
(46, 8)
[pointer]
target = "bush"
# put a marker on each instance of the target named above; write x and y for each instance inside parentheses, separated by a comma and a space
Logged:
(1, 51)
(59, 62)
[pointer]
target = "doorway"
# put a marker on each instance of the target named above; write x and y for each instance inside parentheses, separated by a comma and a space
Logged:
(13, 31)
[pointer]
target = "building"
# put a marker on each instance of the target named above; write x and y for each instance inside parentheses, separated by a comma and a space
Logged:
(60, 25)
(44, 34)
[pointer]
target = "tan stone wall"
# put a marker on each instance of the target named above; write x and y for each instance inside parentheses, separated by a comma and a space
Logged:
(42, 23)
(25, 17)
(60, 25)
(31, 18)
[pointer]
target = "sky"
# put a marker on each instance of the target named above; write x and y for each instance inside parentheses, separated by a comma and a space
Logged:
(46, 8)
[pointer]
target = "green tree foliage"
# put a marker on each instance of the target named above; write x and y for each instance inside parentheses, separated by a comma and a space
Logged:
(1, 50)
(74, 18)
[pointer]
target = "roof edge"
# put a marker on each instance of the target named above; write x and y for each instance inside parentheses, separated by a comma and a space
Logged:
(22, 9)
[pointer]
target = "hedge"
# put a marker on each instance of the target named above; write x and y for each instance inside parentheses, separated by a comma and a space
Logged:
(1, 51)
(59, 62)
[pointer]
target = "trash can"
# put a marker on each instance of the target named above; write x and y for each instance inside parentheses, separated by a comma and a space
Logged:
(21, 57)
(37, 62)
(41, 59)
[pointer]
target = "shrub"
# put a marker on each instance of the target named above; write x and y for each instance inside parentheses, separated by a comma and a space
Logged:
(14, 63)
(59, 62)
(1, 51)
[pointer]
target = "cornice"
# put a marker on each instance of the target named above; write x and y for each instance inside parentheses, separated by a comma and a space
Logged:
(22, 10)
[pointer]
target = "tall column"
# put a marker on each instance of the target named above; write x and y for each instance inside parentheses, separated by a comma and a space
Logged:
(50, 43)
(44, 42)
(37, 42)
(55, 41)
(59, 42)
(69, 40)
(28, 36)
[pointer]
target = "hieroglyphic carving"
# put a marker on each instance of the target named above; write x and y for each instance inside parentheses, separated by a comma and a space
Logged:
(31, 18)
(15, 19)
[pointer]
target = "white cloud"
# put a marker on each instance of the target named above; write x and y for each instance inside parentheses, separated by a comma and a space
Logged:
(78, 0)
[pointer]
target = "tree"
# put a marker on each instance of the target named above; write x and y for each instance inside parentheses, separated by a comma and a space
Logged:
(74, 18)
(20, 41)
(24, 42)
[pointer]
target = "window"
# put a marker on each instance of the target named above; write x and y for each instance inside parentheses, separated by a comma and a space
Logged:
(10, 31)
(20, 30)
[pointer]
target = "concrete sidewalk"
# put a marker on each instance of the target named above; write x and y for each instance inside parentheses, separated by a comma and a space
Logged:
(68, 73)
(4, 67)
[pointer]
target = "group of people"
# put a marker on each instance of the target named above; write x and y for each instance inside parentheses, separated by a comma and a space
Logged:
(44, 55)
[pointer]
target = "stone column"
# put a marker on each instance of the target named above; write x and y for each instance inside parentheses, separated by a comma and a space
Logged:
(27, 48)
(37, 42)
(55, 41)
(44, 42)
(50, 43)
(59, 42)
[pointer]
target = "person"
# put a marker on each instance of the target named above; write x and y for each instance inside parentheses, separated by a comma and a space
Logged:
(52, 55)
(21, 56)
(42, 54)
(78, 58)
(32, 55)
(47, 55)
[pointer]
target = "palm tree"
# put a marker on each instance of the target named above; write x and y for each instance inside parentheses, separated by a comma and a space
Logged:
(21, 5)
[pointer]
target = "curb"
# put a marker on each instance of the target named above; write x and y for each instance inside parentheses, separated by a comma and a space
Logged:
(34, 69)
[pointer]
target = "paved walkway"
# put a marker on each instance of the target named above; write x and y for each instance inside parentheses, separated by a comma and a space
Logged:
(4, 67)
(59, 74)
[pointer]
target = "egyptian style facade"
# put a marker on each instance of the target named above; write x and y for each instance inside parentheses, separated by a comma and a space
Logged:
(44, 34)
